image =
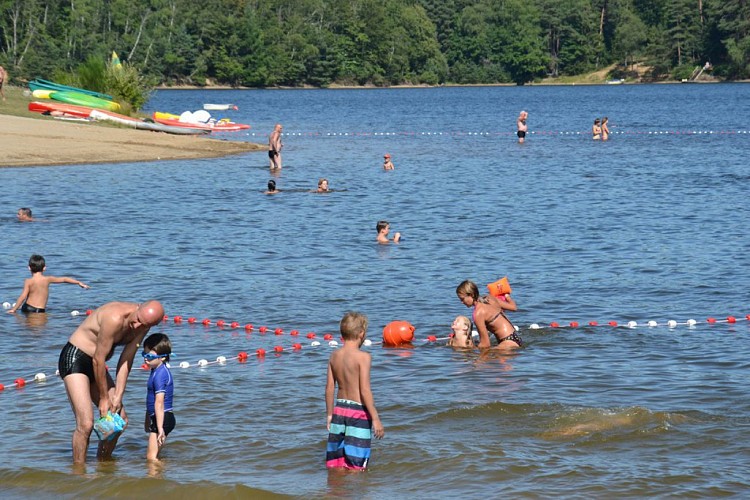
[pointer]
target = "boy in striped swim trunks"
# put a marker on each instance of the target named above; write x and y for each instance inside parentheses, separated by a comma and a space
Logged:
(353, 419)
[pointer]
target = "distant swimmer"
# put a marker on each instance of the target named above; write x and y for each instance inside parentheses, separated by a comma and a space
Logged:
(387, 163)
(24, 215)
(83, 366)
(521, 126)
(35, 293)
(596, 129)
(323, 186)
(384, 227)
(461, 333)
(605, 129)
(272, 187)
(274, 147)
(489, 316)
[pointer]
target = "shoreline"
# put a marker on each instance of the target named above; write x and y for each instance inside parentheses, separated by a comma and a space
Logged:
(35, 142)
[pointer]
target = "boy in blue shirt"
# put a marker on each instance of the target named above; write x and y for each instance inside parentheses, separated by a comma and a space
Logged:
(159, 416)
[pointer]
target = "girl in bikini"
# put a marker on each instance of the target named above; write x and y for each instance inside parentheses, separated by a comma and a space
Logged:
(596, 130)
(489, 316)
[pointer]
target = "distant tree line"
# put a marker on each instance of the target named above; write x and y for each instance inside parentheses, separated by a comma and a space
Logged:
(260, 43)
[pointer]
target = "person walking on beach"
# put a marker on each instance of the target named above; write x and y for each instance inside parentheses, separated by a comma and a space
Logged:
(82, 366)
(274, 147)
(3, 79)
(351, 418)
(33, 298)
(521, 126)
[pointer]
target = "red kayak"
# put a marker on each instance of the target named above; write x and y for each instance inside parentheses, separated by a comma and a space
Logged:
(67, 109)
(220, 126)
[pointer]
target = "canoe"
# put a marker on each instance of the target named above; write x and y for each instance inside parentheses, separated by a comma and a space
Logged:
(70, 97)
(220, 107)
(220, 126)
(48, 85)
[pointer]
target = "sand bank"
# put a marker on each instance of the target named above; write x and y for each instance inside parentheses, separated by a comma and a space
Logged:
(26, 142)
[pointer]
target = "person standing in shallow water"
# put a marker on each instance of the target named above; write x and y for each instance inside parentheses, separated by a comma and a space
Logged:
(522, 127)
(274, 147)
(83, 369)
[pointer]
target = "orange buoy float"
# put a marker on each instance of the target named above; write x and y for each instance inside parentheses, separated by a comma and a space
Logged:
(500, 287)
(398, 333)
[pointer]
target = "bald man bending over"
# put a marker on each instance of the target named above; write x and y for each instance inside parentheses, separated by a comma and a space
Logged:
(84, 372)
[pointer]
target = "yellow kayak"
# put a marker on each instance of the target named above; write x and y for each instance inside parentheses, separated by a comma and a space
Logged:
(42, 94)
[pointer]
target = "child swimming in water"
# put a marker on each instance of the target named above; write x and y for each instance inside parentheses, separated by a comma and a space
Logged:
(461, 333)
(461, 328)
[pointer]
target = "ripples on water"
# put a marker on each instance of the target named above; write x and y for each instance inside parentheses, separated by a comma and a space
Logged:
(642, 227)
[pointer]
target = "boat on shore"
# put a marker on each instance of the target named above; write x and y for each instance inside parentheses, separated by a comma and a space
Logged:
(40, 84)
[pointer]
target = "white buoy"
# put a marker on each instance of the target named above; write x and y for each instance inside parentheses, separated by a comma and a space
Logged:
(691, 322)
(367, 342)
(315, 343)
(6, 305)
(332, 343)
(534, 326)
(184, 364)
(40, 377)
(203, 362)
(516, 328)
(75, 313)
(632, 324)
(475, 333)
(653, 323)
(222, 360)
(671, 323)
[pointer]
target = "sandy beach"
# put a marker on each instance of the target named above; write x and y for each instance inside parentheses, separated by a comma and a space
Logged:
(27, 142)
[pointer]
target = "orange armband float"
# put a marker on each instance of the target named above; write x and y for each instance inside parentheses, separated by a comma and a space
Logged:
(500, 287)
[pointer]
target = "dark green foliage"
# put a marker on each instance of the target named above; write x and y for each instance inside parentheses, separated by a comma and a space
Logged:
(382, 42)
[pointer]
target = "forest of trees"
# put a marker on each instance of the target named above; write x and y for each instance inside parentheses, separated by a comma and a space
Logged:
(259, 43)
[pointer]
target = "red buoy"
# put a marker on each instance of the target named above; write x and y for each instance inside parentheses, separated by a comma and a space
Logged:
(278, 348)
(206, 321)
(613, 323)
(191, 320)
(327, 336)
(249, 327)
(296, 347)
(220, 323)
(593, 323)
(311, 335)
(242, 356)
(278, 331)
(177, 319)
(235, 324)
(398, 333)
(554, 325)
(263, 329)
(574, 324)
(260, 352)
(294, 333)
(731, 319)
(20, 382)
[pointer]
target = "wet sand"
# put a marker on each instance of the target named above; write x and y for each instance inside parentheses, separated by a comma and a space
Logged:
(26, 142)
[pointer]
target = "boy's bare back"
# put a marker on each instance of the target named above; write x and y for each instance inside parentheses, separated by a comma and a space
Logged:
(351, 370)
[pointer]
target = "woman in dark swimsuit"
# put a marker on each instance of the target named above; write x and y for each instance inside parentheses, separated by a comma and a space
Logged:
(489, 316)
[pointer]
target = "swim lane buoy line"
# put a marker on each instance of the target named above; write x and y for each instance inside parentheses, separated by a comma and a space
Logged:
(542, 133)
(395, 334)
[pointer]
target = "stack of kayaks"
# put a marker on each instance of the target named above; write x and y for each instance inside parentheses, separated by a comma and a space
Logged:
(44, 89)
(71, 110)
(185, 120)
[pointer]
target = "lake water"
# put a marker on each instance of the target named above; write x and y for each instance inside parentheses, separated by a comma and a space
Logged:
(649, 226)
